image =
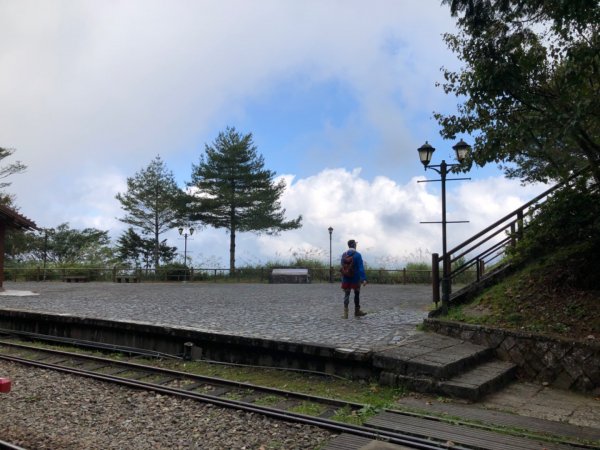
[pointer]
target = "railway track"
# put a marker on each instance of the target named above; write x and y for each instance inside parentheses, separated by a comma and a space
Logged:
(275, 403)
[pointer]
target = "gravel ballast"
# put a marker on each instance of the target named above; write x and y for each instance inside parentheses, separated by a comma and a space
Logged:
(50, 410)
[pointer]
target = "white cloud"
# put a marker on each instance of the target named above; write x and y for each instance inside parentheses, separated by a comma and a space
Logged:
(104, 84)
(383, 216)
(93, 91)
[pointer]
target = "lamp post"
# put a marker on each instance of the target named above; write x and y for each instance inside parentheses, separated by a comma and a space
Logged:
(330, 229)
(425, 153)
(184, 232)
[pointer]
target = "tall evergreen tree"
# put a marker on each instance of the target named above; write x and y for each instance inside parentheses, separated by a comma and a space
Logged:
(152, 202)
(6, 171)
(234, 191)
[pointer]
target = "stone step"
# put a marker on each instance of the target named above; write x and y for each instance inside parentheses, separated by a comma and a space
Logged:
(479, 381)
(472, 385)
(431, 355)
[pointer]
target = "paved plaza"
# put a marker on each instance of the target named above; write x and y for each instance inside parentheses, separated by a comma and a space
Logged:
(284, 312)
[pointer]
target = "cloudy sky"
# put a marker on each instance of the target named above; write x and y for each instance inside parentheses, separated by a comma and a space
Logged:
(338, 94)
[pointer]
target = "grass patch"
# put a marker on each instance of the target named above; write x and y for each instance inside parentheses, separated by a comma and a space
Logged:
(268, 400)
(309, 409)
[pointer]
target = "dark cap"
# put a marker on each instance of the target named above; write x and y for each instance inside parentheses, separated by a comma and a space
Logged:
(352, 243)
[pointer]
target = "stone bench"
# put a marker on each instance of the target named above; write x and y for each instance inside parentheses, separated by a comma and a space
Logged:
(75, 278)
(127, 279)
(289, 276)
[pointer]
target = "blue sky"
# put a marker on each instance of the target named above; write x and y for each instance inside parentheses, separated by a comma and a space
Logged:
(338, 96)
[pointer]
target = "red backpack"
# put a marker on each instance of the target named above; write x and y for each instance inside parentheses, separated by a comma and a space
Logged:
(347, 269)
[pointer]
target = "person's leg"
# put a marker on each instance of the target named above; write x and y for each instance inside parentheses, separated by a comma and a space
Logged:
(346, 302)
(357, 311)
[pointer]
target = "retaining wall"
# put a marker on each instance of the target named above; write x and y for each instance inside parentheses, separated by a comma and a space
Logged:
(563, 363)
(205, 345)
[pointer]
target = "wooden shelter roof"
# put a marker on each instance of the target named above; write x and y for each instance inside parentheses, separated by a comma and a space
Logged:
(13, 219)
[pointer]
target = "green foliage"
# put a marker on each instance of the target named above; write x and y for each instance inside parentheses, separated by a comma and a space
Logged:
(419, 273)
(153, 203)
(529, 85)
(60, 247)
(137, 251)
(234, 191)
(64, 246)
(175, 272)
(570, 218)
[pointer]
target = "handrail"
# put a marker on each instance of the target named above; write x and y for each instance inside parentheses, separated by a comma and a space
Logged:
(512, 223)
(512, 214)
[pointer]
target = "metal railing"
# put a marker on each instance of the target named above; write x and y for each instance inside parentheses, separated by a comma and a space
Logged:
(205, 274)
(484, 253)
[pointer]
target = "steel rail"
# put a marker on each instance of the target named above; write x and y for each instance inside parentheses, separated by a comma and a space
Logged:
(9, 446)
(417, 442)
(186, 375)
(173, 375)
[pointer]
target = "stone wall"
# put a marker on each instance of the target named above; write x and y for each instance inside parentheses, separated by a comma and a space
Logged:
(562, 363)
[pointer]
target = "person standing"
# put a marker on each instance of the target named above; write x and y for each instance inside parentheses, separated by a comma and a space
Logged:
(353, 276)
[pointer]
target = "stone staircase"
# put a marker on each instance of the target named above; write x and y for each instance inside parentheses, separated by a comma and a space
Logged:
(428, 362)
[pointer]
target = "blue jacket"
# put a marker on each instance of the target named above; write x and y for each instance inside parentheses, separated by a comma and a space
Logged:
(359, 268)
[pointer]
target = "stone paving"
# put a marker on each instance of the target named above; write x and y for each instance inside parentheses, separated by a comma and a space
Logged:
(286, 312)
(303, 313)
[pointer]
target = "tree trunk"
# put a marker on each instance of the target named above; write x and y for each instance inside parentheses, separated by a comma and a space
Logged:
(232, 251)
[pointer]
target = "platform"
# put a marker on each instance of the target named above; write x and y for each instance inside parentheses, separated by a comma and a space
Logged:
(270, 319)
(307, 313)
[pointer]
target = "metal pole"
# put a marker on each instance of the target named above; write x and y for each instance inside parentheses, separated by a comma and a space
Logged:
(45, 252)
(445, 259)
(185, 256)
(330, 261)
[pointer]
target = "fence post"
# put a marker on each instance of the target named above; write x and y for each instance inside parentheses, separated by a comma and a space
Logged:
(520, 223)
(435, 278)
(404, 276)
(513, 235)
(480, 269)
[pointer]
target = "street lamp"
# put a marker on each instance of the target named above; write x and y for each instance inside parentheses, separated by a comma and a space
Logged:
(425, 153)
(184, 232)
(330, 229)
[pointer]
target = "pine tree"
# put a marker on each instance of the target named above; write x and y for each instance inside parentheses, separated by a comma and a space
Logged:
(152, 202)
(131, 247)
(234, 191)
(7, 199)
